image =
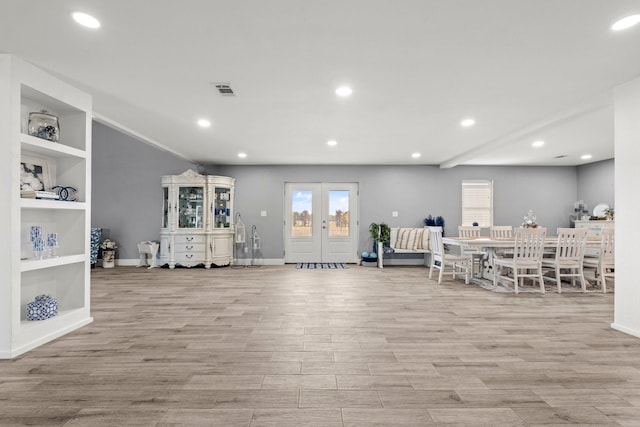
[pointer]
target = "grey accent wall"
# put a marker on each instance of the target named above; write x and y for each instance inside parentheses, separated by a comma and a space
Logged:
(596, 183)
(413, 191)
(126, 192)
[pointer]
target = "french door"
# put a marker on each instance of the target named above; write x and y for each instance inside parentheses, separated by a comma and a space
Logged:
(321, 222)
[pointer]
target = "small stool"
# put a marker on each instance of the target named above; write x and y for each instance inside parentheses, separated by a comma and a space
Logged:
(148, 251)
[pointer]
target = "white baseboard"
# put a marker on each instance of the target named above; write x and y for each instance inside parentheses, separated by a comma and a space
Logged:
(400, 261)
(127, 262)
(267, 261)
(133, 262)
(630, 331)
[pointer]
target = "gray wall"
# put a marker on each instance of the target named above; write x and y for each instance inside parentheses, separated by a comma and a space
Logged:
(596, 183)
(127, 196)
(413, 191)
(126, 190)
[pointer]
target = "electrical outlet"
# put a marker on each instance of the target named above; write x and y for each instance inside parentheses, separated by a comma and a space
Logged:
(394, 213)
(263, 213)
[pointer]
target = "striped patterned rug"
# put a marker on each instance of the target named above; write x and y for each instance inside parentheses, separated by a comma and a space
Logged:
(321, 265)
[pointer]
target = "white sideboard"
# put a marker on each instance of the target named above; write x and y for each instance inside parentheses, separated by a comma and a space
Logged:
(595, 230)
(595, 227)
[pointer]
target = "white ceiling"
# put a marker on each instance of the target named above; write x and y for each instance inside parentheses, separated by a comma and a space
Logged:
(524, 69)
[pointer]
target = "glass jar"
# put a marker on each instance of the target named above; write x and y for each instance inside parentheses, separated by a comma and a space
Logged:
(44, 125)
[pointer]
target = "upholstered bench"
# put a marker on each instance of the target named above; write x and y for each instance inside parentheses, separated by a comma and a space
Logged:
(405, 240)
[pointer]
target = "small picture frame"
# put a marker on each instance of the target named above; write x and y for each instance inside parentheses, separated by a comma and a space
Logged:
(224, 196)
(35, 174)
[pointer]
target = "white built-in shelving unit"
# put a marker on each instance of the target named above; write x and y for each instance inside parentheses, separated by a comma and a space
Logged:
(25, 88)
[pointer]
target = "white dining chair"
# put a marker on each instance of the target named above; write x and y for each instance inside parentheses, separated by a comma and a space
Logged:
(527, 258)
(439, 259)
(475, 253)
(502, 232)
(604, 263)
(569, 257)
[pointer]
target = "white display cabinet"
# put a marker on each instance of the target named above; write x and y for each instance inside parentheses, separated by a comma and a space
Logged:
(197, 220)
(64, 275)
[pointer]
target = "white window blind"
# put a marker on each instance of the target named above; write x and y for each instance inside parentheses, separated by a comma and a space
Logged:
(477, 202)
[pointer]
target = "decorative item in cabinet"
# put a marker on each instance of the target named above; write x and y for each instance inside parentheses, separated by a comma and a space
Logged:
(43, 307)
(66, 194)
(34, 174)
(44, 126)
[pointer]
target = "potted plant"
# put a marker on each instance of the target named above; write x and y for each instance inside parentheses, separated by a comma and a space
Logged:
(380, 233)
(108, 253)
(609, 213)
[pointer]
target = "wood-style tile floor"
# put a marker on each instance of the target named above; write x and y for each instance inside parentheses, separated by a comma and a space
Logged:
(276, 346)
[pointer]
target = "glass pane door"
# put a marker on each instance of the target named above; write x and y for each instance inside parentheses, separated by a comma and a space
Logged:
(165, 207)
(302, 213)
(222, 208)
(321, 222)
(190, 207)
(338, 213)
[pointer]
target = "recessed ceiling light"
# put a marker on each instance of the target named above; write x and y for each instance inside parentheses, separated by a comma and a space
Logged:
(536, 144)
(85, 20)
(344, 91)
(586, 156)
(415, 155)
(467, 122)
(332, 143)
(242, 155)
(204, 123)
(625, 23)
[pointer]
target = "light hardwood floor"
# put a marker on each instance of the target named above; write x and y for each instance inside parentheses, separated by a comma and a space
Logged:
(276, 346)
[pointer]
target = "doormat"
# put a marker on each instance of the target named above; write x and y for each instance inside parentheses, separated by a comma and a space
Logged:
(321, 265)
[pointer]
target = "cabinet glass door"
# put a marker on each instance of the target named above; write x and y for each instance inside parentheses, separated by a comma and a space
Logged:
(165, 207)
(222, 208)
(190, 207)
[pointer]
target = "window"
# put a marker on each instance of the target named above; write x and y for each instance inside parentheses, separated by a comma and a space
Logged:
(477, 202)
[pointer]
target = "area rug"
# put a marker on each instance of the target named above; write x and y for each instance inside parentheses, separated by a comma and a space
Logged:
(321, 265)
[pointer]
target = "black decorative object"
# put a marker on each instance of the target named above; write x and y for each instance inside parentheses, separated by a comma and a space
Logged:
(438, 221)
(66, 193)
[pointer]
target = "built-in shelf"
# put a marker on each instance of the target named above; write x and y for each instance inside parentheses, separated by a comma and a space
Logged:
(66, 163)
(51, 204)
(37, 264)
(50, 149)
(60, 318)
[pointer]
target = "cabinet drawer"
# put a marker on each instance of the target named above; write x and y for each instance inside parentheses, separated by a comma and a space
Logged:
(179, 239)
(189, 258)
(189, 248)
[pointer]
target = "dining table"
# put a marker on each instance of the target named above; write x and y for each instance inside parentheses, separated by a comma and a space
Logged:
(491, 245)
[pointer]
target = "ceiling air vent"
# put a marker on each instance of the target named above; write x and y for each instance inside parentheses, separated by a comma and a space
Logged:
(224, 89)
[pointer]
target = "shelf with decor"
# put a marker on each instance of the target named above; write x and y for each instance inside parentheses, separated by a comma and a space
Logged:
(49, 131)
